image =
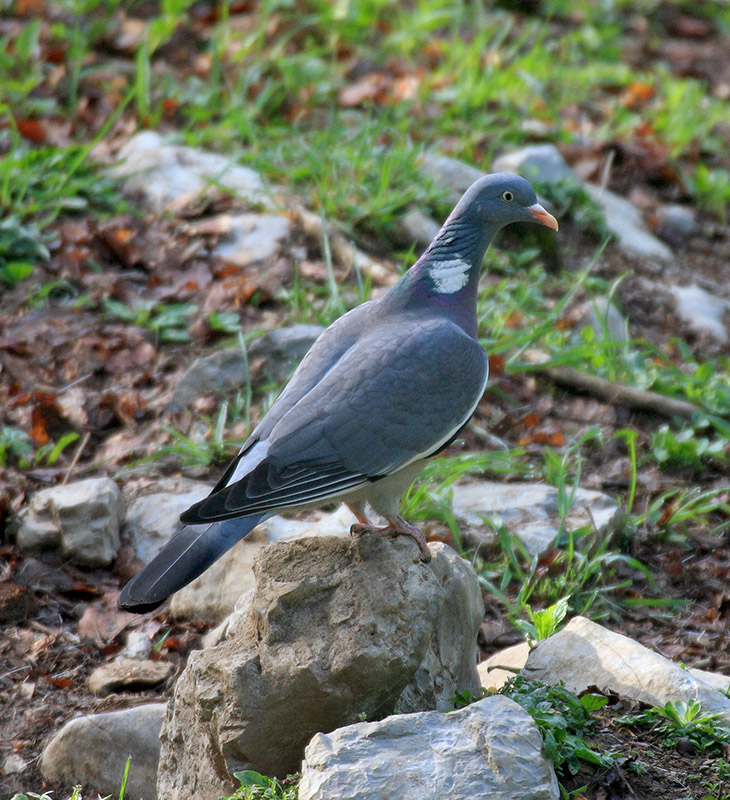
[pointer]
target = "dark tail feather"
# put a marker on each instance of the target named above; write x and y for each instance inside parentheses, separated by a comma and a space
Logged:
(188, 554)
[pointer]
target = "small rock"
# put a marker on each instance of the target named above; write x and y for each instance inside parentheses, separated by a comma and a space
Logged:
(321, 523)
(685, 746)
(16, 602)
(253, 237)
(14, 764)
(137, 645)
(625, 223)
(676, 223)
(418, 227)
(282, 349)
(494, 678)
(539, 163)
(128, 674)
(585, 654)
(93, 751)
(450, 173)
(606, 319)
(491, 748)
(81, 518)
(163, 173)
(153, 518)
(220, 373)
(702, 311)
(528, 510)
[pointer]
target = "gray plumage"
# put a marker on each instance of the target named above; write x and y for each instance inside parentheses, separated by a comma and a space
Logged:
(386, 386)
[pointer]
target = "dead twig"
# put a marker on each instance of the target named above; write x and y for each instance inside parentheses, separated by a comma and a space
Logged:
(344, 252)
(77, 455)
(620, 394)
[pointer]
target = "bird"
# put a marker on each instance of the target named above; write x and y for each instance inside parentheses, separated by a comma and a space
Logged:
(385, 387)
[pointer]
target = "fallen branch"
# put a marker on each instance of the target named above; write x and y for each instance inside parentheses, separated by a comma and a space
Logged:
(620, 394)
(346, 253)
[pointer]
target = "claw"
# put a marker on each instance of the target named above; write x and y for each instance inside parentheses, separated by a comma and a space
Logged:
(396, 526)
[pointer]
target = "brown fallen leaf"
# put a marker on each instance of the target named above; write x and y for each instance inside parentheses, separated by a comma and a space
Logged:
(101, 626)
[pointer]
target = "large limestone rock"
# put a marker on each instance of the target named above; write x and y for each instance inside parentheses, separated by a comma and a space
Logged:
(585, 654)
(82, 519)
(336, 629)
(489, 749)
(93, 751)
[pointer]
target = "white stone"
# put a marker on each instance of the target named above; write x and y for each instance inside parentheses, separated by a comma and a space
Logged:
(702, 311)
(450, 173)
(542, 163)
(607, 321)
(625, 222)
(490, 674)
(152, 518)
(585, 654)
(93, 751)
(163, 172)
(137, 645)
(714, 679)
(490, 749)
(253, 237)
(528, 510)
(418, 227)
(81, 518)
(14, 764)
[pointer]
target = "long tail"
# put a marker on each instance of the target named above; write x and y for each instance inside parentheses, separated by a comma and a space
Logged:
(188, 554)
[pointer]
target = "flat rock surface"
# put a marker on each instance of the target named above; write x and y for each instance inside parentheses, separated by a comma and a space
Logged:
(490, 749)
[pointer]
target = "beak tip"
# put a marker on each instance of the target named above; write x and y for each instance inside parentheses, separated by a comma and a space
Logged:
(543, 217)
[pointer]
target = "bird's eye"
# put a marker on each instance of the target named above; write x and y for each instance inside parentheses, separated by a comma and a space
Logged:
(508, 197)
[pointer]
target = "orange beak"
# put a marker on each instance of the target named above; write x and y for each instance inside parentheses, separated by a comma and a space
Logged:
(543, 216)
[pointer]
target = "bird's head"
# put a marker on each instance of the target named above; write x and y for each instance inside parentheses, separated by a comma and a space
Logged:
(499, 199)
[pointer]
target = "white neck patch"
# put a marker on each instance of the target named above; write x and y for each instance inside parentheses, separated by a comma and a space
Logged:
(449, 276)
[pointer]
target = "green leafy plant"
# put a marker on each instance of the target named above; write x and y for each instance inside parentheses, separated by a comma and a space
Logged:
(168, 321)
(21, 246)
(684, 720)
(542, 623)
(255, 786)
(688, 447)
(563, 720)
(15, 443)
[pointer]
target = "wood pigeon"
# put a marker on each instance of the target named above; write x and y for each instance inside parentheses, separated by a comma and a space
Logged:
(388, 385)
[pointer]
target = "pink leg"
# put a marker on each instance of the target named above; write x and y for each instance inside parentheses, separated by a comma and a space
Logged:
(396, 526)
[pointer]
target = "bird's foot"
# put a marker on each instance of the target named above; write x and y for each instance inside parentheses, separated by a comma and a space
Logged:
(396, 526)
